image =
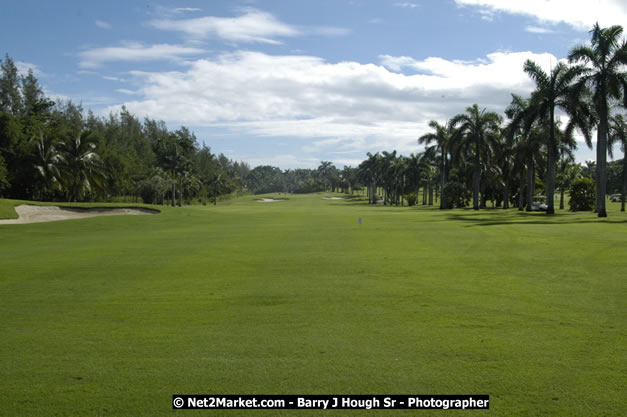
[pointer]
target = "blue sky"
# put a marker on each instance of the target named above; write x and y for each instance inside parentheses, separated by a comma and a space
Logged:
(290, 83)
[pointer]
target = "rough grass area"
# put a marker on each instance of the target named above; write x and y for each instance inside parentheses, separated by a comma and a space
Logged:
(113, 315)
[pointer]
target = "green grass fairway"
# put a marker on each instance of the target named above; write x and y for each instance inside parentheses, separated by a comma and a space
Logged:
(112, 315)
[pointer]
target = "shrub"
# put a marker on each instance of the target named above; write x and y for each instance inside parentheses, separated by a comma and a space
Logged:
(456, 195)
(411, 198)
(152, 189)
(582, 195)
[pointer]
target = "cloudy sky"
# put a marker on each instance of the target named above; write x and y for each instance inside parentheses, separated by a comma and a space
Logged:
(290, 83)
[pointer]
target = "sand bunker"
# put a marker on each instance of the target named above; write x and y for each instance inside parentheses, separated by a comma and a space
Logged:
(333, 198)
(270, 200)
(39, 214)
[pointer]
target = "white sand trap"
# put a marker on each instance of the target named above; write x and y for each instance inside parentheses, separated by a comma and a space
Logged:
(333, 198)
(268, 200)
(40, 214)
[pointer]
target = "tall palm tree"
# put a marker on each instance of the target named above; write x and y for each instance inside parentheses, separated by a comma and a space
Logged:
(477, 131)
(370, 174)
(324, 173)
(393, 171)
(441, 138)
(415, 166)
(553, 90)
(618, 134)
(82, 167)
(518, 134)
(604, 73)
(430, 172)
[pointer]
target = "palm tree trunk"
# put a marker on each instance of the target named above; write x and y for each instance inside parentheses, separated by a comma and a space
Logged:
(531, 183)
(596, 183)
(430, 194)
(476, 180)
(622, 198)
(173, 193)
(522, 189)
(443, 181)
(550, 170)
(550, 183)
(601, 162)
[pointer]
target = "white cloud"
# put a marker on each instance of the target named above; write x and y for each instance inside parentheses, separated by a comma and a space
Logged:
(252, 26)
(126, 91)
(406, 5)
(539, 30)
(487, 15)
(24, 67)
(346, 106)
(329, 31)
(501, 70)
(134, 52)
(581, 14)
(179, 10)
(164, 11)
(103, 25)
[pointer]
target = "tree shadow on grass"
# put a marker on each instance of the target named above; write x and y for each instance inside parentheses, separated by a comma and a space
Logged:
(507, 217)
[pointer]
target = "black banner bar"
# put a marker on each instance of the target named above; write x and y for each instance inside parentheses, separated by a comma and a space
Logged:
(331, 402)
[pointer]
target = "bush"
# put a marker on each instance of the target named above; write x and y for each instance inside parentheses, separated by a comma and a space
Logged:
(456, 195)
(412, 199)
(582, 195)
(153, 189)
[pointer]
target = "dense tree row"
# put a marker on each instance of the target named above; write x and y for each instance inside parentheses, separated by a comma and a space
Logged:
(52, 151)
(267, 179)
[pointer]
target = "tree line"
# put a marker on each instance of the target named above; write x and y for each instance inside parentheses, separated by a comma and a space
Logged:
(54, 151)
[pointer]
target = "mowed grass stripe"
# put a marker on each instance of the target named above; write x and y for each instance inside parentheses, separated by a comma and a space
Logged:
(297, 297)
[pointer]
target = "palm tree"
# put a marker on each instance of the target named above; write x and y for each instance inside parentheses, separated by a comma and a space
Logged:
(429, 173)
(370, 174)
(441, 138)
(47, 161)
(415, 166)
(565, 175)
(81, 167)
(505, 168)
(553, 90)
(604, 74)
(324, 173)
(477, 132)
(393, 175)
(518, 134)
(618, 134)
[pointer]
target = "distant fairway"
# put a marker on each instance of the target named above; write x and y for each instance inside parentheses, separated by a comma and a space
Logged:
(113, 315)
